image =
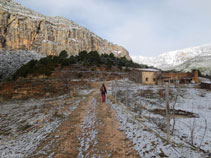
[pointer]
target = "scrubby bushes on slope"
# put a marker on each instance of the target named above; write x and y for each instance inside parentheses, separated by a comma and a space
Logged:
(46, 65)
(10, 61)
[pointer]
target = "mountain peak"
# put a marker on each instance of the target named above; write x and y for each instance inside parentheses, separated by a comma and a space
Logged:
(181, 60)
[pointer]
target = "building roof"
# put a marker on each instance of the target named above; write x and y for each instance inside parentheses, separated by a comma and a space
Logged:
(147, 70)
(205, 80)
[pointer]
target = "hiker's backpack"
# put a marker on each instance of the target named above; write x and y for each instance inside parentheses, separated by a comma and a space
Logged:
(102, 89)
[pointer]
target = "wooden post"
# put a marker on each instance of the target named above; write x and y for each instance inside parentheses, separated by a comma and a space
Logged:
(112, 88)
(115, 90)
(210, 76)
(167, 112)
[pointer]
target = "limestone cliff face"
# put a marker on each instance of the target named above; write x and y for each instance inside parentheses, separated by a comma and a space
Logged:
(24, 29)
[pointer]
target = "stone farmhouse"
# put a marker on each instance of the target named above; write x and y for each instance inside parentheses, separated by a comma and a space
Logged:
(154, 76)
(145, 76)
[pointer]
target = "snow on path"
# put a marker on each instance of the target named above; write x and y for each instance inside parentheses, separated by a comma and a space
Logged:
(89, 132)
(99, 135)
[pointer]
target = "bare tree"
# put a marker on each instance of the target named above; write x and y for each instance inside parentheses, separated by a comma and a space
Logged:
(115, 90)
(112, 88)
(173, 115)
(205, 130)
(173, 106)
(167, 112)
(126, 99)
(192, 132)
(66, 77)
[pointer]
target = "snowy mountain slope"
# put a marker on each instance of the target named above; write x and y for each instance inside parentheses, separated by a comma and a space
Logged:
(181, 60)
(202, 63)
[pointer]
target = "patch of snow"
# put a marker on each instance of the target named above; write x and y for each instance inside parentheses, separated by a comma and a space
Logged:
(117, 51)
(74, 40)
(86, 91)
(24, 124)
(151, 70)
(89, 132)
(142, 126)
(51, 42)
(144, 138)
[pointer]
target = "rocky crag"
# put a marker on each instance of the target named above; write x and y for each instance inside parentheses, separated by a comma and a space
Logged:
(24, 29)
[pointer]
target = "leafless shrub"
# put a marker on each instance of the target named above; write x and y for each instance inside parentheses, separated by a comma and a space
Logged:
(66, 77)
(161, 123)
(205, 130)
(5, 131)
(202, 94)
(173, 114)
(58, 114)
(178, 92)
(24, 127)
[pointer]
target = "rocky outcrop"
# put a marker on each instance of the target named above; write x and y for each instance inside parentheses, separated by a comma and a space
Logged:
(24, 29)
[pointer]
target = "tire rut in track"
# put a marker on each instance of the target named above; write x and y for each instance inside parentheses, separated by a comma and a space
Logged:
(90, 131)
(63, 142)
(111, 141)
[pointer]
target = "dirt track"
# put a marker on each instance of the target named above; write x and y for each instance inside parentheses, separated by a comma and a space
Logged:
(90, 131)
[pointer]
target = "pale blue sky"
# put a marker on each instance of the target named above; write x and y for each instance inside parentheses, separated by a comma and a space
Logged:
(143, 27)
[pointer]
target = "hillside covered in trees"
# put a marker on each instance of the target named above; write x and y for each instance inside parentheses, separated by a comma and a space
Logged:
(46, 65)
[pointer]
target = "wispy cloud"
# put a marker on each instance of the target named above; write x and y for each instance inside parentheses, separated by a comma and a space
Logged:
(144, 27)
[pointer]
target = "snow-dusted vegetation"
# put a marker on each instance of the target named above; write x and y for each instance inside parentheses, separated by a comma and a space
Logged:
(25, 124)
(144, 122)
(10, 61)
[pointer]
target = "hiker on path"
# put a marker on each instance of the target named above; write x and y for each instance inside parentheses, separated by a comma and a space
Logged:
(103, 92)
